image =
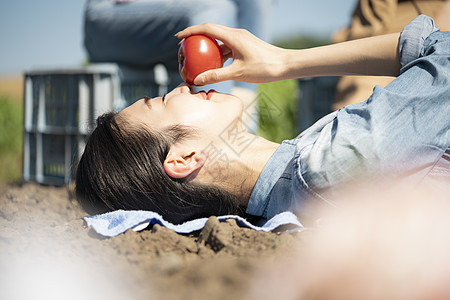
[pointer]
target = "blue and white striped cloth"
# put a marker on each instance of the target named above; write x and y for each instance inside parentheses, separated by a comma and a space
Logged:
(114, 223)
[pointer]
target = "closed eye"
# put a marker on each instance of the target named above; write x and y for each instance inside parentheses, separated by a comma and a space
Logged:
(164, 99)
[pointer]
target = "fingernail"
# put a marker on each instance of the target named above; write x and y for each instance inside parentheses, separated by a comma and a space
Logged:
(199, 80)
(177, 34)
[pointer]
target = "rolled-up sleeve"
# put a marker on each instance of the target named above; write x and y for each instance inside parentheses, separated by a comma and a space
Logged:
(401, 129)
(412, 38)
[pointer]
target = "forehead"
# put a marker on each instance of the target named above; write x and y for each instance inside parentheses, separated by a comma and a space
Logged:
(136, 107)
(134, 112)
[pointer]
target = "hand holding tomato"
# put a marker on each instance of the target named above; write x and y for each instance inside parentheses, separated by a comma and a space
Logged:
(197, 54)
(253, 59)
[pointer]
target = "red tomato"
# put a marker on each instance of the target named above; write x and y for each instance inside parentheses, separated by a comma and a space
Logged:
(197, 54)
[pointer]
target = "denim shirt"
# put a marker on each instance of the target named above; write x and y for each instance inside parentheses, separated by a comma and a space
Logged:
(401, 129)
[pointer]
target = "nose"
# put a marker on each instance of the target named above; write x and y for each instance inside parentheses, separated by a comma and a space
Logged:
(184, 87)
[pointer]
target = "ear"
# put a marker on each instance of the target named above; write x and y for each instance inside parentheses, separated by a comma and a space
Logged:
(179, 165)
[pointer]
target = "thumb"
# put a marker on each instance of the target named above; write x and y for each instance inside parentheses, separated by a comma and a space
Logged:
(215, 75)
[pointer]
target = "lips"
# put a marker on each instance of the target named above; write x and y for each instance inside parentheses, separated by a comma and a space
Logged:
(203, 94)
(207, 95)
(210, 94)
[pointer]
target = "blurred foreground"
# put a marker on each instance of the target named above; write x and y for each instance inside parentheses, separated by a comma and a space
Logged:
(377, 245)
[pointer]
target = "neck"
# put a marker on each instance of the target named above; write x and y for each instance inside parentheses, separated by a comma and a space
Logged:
(254, 158)
(238, 163)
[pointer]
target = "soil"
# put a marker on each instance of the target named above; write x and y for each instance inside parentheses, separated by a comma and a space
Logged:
(381, 246)
(47, 252)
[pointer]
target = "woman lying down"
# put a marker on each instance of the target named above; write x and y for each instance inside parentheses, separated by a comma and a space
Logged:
(187, 155)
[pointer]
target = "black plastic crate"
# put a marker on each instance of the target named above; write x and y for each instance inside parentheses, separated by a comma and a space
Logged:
(61, 106)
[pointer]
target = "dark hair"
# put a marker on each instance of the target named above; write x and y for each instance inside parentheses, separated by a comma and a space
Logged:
(123, 169)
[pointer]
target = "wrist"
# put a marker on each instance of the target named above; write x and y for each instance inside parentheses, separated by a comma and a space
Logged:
(287, 67)
(294, 64)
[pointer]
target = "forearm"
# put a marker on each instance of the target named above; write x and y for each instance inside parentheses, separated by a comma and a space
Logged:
(369, 56)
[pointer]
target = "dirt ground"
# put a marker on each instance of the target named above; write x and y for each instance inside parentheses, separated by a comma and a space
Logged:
(48, 253)
(381, 246)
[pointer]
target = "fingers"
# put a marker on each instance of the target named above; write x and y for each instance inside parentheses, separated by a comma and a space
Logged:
(226, 52)
(216, 75)
(216, 31)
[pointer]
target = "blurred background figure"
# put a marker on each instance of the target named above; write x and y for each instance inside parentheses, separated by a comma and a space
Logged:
(140, 34)
(377, 17)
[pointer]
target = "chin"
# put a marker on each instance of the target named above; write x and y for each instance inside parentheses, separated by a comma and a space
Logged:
(239, 105)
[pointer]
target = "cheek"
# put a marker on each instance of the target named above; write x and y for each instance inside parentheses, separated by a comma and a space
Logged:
(196, 116)
(223, 116)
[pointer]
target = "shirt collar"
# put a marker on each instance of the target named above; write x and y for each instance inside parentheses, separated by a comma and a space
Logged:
(269, 176)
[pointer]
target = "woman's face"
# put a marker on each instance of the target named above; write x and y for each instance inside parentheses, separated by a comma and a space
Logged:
(210, 112)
